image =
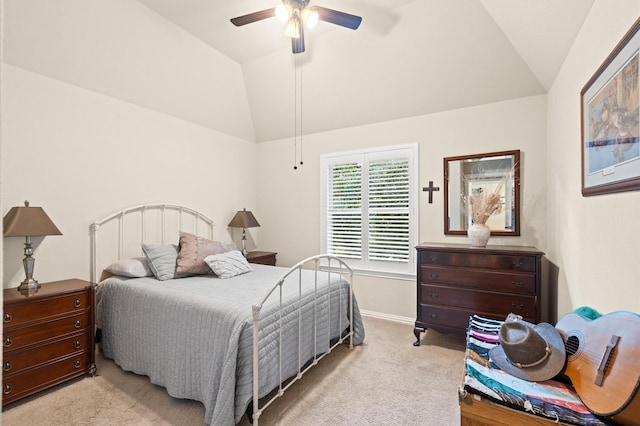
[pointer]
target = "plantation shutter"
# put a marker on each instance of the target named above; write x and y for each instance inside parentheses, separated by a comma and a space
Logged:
(389, 210)
(344, 210)
(368, 201)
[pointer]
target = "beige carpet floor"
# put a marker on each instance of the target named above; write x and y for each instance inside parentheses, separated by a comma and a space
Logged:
(386, 381)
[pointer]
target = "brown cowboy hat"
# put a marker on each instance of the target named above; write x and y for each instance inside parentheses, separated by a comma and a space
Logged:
(530, 352)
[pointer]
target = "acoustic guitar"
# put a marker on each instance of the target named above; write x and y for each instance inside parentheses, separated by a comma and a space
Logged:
(603, 363)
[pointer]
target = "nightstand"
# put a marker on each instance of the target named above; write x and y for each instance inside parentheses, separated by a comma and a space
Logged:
(47, 337)
(262, 257)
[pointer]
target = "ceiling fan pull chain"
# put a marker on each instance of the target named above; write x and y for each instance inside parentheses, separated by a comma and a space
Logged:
(301, 97)
(295, 114)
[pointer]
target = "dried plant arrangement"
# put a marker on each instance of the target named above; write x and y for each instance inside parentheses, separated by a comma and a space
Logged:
(486, 200)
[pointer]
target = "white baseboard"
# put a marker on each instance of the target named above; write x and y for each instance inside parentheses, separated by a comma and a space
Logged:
(388, 317)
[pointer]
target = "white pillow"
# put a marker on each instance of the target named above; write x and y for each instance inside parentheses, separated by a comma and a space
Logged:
(136, 267)
(229, 264)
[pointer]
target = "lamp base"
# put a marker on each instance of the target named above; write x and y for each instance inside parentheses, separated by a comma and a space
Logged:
(29, 284)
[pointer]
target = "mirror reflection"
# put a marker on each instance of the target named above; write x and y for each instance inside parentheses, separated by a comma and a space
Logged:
(491, 178)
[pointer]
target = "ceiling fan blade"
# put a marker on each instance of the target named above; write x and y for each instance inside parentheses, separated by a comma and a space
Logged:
(338, 18)
(253, 17)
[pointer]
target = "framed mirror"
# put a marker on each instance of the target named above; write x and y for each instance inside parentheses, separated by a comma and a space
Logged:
(469, 177)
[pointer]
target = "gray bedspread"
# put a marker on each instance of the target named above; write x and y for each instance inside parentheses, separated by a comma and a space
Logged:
(193, 335)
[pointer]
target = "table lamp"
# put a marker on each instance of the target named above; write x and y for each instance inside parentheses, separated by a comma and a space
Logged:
(28, 222)
(244, 219)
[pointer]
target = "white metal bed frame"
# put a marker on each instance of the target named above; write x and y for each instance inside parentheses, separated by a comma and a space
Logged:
(320, 264)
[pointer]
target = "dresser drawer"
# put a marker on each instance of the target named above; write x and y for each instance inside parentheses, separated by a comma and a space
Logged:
(507, 262)
(479, 301)
(32, 380)
(446, 317)
(508, 282)
(14, 361)
(35, 311)
(15, 338)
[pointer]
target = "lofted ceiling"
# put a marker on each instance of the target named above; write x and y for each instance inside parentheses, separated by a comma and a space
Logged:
(408, 58)
(185, 58)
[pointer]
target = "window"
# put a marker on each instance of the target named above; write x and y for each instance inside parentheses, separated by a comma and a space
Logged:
(368, 201)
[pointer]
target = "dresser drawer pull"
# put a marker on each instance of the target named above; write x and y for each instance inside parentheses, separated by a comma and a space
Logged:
(7, 366)
(434, 295)
(77, 324)
(7, 342)
(434, 315)
(7, 317)
(517, 265)
(519, 283)
(76, 344)
(7, 389)
(517, 305)
(77, 363)
(433, 258)
(76, 303)
(433, 275)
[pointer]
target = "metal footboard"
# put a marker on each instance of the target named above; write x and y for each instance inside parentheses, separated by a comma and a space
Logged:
(331, 265)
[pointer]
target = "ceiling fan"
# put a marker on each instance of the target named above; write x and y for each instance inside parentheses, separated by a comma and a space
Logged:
(296, 14)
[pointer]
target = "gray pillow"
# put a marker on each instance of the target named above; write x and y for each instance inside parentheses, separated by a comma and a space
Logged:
(162, 260)
(135, 267)
(229, 264)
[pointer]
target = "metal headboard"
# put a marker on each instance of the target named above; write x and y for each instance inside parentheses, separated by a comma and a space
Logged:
(149, 223)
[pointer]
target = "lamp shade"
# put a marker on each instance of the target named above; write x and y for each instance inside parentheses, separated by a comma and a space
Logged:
(28, 221)
(243, 219)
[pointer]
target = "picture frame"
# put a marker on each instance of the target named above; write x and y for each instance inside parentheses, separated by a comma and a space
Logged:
(609, 115)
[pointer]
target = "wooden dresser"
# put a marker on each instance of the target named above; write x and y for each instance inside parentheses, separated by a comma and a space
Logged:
(457, 280)
(47, 337)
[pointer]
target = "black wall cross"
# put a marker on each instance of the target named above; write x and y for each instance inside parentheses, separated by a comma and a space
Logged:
(431, 188)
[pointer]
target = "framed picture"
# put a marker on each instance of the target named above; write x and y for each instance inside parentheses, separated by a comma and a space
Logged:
(609, 121)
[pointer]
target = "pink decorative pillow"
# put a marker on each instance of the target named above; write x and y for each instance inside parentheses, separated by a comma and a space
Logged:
(193, 250)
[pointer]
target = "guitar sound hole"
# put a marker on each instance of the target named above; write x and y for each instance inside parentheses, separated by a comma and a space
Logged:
(572, 345)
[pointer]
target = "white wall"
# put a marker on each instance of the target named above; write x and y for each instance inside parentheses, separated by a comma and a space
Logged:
(290, 225)
(107, 105)
(82, 155)
(593, 241)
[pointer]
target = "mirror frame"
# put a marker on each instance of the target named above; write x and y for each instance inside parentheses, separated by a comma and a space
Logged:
(516, 185)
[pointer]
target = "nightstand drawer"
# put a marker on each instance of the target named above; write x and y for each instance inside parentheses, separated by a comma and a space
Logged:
(15, 338)
(36, 311)
(15, 361)
(32, 380)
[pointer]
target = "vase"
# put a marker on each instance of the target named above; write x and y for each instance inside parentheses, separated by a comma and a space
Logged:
(479, 234)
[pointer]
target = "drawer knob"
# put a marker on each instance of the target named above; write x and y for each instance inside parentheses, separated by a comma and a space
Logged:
(7, 317)
(433, 275)
(7, 366)
(76, 344)
(433, 258)
(519, 283)
(77, 324)
(434, 295)
(517, 305)
(76, 303)
(77, 363)
(7, 389)
(7, 342)
(434, 315)
(517, 265)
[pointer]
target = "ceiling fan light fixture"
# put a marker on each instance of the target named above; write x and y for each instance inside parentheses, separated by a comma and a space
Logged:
(283, 12)
(310, 17)
(293, 28)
